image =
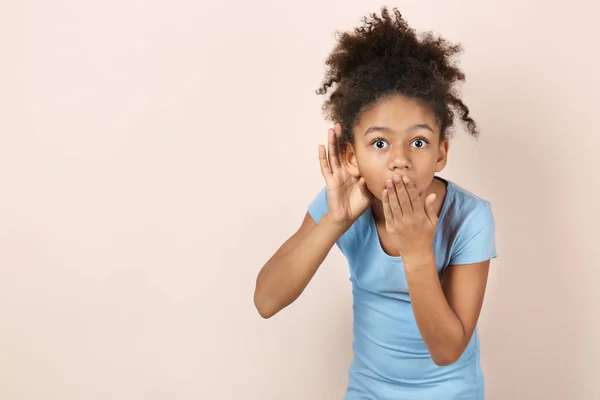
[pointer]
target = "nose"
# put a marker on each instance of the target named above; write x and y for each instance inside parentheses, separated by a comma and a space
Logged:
(399, 159)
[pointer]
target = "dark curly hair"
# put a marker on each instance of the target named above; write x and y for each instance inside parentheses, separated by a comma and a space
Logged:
(386, 57)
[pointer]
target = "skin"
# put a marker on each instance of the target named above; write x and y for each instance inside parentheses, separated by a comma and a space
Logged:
(393, 139)
(397, 150)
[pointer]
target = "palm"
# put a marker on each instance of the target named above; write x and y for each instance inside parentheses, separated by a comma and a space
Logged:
(347, 196)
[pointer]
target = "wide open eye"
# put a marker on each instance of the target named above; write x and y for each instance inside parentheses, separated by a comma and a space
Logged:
(419, 143)
(379, 144)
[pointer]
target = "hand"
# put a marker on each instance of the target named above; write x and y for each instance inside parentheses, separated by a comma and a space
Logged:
(347, 196)
(408, 219)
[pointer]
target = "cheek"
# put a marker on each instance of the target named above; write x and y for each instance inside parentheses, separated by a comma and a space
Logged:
(375, 189)
(375, 180)
(374, 169)
(370, 163)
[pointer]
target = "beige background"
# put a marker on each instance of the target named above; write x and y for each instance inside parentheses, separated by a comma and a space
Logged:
(153, 155)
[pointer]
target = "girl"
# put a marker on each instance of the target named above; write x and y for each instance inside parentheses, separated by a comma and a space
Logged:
(418, 246)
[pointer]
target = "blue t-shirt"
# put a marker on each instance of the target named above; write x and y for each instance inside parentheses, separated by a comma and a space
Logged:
(391, 360)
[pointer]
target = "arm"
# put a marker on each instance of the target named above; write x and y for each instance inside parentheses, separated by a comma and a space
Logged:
(285, 276)
(446, 312)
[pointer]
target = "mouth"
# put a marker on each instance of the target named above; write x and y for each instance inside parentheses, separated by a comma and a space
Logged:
(401, 176)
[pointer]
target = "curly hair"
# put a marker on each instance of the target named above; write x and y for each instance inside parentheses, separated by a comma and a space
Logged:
(385, 57)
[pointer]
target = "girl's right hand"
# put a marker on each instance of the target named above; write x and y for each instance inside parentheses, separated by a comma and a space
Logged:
(347, 196)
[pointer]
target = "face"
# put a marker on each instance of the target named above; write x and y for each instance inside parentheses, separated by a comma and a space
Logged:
(396, 136)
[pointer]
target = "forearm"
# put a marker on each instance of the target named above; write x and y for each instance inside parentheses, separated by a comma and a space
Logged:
(285, 276)
(441, 329)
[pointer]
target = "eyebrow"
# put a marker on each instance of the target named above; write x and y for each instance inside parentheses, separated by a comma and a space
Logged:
(388, 130)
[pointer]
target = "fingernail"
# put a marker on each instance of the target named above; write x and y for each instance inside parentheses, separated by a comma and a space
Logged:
(397, 178)
(405, 179)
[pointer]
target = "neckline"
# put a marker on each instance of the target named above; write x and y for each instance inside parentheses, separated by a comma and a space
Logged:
(449, 190)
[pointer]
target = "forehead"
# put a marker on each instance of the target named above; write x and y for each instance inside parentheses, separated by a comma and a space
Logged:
(397, 113)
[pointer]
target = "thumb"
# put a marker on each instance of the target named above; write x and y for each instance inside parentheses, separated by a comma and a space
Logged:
(430, 209)
(362, 185)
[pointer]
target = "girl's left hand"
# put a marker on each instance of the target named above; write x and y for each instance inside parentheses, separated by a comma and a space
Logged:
(408, 219)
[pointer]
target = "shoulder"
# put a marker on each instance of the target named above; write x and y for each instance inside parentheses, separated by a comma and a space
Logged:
(318, 206)
(465, 207)
(470, 224)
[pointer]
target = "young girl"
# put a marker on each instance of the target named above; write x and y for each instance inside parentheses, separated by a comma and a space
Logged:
(418, 246)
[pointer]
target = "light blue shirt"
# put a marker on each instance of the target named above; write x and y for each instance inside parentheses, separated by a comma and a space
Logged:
(391, 360)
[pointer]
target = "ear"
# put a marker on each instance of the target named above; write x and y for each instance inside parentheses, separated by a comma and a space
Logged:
(349, 160)
(442, 155)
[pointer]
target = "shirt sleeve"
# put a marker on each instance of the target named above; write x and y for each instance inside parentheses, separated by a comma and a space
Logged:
(476, 240)
(318, 207)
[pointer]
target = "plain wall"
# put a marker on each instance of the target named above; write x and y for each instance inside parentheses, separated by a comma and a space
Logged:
(154, 155)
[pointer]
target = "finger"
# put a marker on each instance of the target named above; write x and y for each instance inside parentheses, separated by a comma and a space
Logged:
(403, 198)
(430, 209)
(387, 210)
(413, 195)
(337, 128)
(333, 158)
(362, 186)
(393, 200)
(325, 170)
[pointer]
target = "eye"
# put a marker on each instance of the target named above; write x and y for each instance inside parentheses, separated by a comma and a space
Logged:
(379, 144)
(419, 143)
